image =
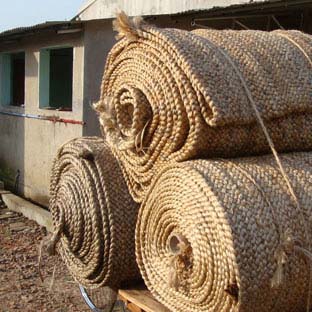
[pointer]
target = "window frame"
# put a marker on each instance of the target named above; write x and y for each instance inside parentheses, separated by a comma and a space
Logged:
(44, 77)
(6, 85)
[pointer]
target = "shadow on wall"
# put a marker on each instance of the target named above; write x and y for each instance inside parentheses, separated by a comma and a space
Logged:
(10, 178)
(12, 152)
(12, 126)
(99, 32)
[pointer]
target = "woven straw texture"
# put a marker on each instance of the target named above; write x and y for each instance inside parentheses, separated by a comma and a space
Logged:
(93, 214)
(240, 227)
(169, 94)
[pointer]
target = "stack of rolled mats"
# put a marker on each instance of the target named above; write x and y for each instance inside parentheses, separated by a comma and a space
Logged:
(204, 179)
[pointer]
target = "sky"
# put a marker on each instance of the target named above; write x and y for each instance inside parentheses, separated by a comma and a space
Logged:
(18, 13)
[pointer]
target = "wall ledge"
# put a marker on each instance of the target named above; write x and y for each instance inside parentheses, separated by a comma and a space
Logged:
(27, 209)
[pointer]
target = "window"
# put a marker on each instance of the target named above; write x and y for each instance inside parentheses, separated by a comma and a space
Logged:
(12, 79)
(56, 79)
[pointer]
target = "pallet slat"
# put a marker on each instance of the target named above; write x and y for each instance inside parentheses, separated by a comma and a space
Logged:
(141, 300)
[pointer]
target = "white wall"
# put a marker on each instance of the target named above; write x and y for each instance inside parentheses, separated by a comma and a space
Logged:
(108, 8)
(29, 145)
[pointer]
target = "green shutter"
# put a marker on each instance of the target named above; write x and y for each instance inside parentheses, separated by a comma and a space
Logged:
(5, 79)
(44, 78)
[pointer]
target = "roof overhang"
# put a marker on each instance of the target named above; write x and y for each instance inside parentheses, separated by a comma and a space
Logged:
(57, 27)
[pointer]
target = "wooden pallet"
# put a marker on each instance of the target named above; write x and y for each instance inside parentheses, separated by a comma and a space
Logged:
(139, 299)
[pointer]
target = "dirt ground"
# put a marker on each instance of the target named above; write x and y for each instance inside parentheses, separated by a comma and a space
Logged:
(21, 288)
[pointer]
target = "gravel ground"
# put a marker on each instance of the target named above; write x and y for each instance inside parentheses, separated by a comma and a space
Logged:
(21, 288)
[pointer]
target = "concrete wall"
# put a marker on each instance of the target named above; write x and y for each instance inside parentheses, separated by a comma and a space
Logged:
(29, 145)
(98, 40)
(107, 8)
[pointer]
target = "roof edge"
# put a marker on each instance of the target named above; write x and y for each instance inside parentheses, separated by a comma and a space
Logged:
(46, 26)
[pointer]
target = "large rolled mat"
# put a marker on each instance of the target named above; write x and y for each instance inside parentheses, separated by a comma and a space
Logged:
(225, 235)
(169, 94)
(93, 214)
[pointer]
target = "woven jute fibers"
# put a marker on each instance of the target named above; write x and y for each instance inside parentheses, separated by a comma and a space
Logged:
(169, 94)
(238, 222)
(95, 214)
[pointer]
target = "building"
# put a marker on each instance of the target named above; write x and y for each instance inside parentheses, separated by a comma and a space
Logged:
(50, 74)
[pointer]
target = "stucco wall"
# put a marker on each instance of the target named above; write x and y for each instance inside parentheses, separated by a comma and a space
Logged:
(29, 145)
(98, 40)
(11, 149)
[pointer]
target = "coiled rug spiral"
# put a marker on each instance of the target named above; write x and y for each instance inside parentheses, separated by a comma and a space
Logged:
(222, 235)
(170, 94)
(93, 214)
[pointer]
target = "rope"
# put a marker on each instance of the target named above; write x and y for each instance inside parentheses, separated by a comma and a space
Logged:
(277, 277)
(93, 215)
(172, 92)
(211, 208)
(284, 35)
(178, 88)
(277, 281)
(303, 251)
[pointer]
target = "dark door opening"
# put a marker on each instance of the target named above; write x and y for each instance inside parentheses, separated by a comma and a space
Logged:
(18, 79)
(61, 78)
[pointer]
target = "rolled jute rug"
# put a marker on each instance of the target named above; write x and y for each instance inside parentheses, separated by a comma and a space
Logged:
(93, 214)
(223, 235)
(170, 94)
